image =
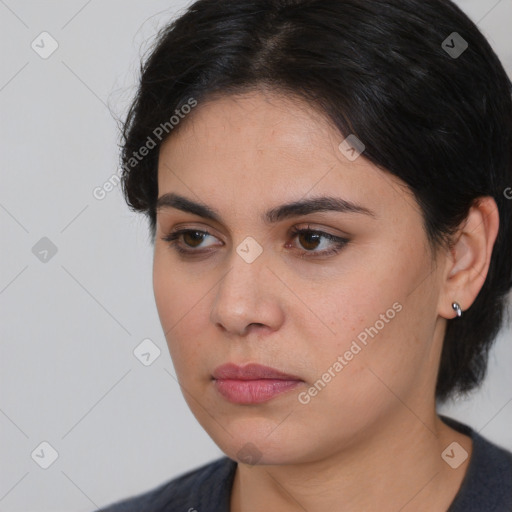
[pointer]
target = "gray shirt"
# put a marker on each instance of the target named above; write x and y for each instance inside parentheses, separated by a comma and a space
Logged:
(487, 486)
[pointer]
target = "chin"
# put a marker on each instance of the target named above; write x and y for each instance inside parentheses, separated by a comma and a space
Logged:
(257, 441)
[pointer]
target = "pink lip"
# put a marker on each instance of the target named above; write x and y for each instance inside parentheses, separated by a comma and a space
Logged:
(253, 383)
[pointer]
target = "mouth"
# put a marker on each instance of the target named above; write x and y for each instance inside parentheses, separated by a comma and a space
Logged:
(252, 383)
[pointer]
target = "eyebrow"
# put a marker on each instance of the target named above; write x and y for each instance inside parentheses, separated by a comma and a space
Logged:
(282, 212)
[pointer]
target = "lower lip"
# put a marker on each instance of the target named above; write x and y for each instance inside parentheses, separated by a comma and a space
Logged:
(253, 391)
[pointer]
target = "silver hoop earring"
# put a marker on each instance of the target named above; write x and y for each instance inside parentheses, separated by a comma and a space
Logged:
(457, 309)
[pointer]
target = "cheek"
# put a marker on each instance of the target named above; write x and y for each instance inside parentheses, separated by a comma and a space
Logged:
(165, 287)
(181, 303)
(356, 302)
(383, 336)
(176, 292)
(366, 319)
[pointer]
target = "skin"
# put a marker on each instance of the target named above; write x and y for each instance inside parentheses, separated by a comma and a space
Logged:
(371, 439)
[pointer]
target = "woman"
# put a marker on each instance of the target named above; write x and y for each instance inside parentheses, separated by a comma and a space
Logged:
(326, 184)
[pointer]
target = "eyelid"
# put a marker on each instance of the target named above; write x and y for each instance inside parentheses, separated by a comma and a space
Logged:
(181, 228)
(305, 226)
(310, 226)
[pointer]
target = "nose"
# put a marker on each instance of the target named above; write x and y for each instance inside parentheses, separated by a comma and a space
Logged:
(247, 298)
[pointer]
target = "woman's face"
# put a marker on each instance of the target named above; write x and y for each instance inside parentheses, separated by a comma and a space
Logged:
(353, 320)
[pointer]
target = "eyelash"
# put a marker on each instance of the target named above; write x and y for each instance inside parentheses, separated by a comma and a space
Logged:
(339, 242)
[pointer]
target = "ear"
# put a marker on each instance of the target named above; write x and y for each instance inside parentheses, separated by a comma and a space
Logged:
(469, 257)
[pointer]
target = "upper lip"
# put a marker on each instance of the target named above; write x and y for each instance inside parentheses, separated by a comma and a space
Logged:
(250, 371)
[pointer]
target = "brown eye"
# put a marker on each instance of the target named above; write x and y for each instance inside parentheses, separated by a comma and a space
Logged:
(188, 241)
(309, 240)
(314, 243)
(193, 238)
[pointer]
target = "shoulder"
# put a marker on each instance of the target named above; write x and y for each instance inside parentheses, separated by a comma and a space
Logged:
(202, 489)
(487, 485)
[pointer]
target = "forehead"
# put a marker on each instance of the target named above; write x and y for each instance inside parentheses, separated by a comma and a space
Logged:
(255, 121)
(242, 149)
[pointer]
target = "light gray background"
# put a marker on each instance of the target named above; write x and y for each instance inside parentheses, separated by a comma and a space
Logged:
(69, 325)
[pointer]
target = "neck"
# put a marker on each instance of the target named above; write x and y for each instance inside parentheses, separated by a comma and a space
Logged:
(397, 466)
